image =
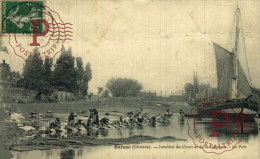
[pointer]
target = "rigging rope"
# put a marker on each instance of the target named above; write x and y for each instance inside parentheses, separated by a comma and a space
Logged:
(245, 51)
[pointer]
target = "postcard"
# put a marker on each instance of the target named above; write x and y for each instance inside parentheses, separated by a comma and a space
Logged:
(132, 79)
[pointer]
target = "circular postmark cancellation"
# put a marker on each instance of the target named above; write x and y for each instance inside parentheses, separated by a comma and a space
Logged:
(224, 121)
(35, 31)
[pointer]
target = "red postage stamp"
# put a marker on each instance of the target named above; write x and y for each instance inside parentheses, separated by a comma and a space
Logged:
(36, 26)
(226, 124)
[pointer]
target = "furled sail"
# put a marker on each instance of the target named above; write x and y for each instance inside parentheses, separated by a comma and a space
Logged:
(225, 71)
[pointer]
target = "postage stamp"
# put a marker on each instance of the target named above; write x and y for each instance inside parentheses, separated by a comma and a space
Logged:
(31, 26)
(227, 120)
(12, 12)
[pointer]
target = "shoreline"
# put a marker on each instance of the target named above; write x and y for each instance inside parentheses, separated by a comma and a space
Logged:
(80, 141)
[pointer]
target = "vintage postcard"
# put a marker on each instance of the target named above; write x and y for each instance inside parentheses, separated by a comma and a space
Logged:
(134, 79)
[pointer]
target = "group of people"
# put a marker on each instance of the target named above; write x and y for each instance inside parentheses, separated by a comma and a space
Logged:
(133, 118)
(93, 121)
(137, 118)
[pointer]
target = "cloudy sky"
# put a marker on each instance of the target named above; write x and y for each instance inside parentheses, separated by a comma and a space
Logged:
(158, 43)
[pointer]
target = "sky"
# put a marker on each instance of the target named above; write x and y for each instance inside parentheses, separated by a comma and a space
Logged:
(158, 43)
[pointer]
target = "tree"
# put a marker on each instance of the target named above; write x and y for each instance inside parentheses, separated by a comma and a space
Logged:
(123, 87)
(80, 74)
(90, 96)
(100, 90)
(32, 71)
(5, 71)
(189, 89)
(86, 78)
(65, 76)
(47, 70)
(105, 93)
(35, 75)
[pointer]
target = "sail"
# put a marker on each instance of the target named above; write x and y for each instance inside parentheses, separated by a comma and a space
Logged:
(243, 86)
(225, 71)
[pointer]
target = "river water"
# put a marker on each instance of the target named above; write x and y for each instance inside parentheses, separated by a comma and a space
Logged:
(247, 147)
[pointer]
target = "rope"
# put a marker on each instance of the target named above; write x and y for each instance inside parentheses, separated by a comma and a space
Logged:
(245, 51)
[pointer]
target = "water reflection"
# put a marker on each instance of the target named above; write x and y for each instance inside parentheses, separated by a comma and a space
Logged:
(67, 154)
(242, 130)
(181, 122)
(19, 156)
(48, 154)
(80, 152)
(177, 128)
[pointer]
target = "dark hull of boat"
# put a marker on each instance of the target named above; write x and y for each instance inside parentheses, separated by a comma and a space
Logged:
(235, 109)
(230, 116)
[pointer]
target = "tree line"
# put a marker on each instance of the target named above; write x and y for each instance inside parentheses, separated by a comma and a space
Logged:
(124, 87)
(64, 75)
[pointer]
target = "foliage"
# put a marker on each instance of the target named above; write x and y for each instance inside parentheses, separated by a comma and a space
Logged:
(80, 74)
(7, 74)
(199, 91)
(105, 93)
(100, 90)
(47, 70)
(33, 70)
(64, 76)
(5, 71)
(90, 95)
(88, 72)
(123, 87)
(87, 76)
(40, 76)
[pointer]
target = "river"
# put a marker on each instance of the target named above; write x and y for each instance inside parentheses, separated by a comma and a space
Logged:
(249, 144)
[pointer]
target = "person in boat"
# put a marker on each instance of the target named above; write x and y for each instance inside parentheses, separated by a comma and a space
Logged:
(181, 112)
(126, 121)
(133, 119)
(152, 120)
(90, 122)
(129, 114)
(78, 123)
(181, 116)
(56, 124)
(121, 119)
(165, 119)
(169, 113)
(141, 110)
(95, 117)
(71, 120)
(104, 121)
(12, 109)
(140, 119)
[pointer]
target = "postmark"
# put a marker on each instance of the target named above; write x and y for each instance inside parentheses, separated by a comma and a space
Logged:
(227, 124)
(35, 26)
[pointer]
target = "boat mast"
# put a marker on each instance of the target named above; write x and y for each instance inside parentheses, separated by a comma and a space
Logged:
(234, 93)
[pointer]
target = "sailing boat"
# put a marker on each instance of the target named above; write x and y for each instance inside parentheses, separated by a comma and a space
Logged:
(232, 81)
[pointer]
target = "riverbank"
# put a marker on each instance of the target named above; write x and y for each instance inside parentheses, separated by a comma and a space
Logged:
(80, 141)
(14, 137)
